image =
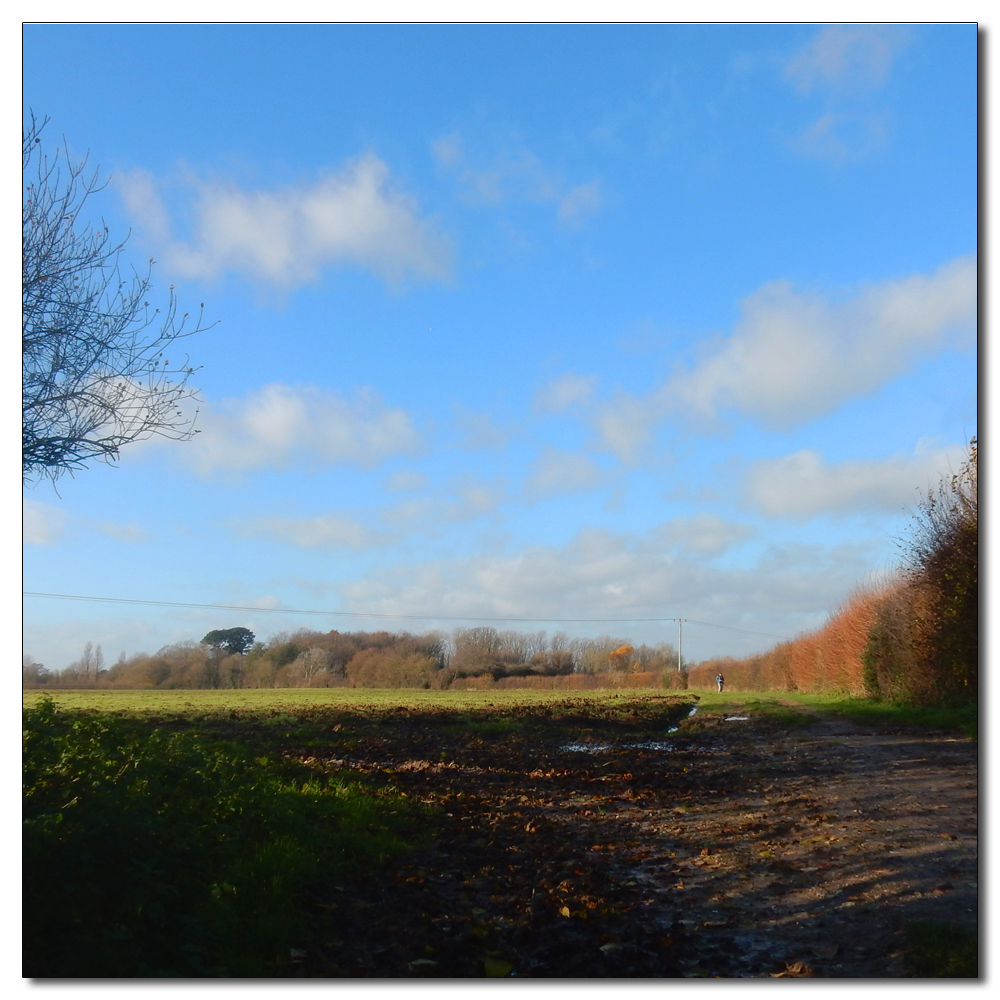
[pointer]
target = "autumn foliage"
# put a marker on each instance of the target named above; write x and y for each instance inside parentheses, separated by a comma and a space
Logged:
(468, 658)
(826, 660)
(911, 638)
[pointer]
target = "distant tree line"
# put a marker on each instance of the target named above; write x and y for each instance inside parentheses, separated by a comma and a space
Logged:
(231, 658)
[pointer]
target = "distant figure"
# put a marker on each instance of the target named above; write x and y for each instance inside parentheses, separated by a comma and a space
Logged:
(720, 680)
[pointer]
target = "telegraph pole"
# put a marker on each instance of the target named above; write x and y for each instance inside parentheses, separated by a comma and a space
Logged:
(680, 641)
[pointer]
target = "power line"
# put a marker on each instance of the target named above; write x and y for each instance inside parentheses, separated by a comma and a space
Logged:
(376, 614)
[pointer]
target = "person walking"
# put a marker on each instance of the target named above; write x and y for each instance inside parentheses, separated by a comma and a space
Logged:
(720, 680)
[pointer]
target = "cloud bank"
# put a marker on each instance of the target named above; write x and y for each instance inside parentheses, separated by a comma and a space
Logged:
(802, 485)
(604, 574)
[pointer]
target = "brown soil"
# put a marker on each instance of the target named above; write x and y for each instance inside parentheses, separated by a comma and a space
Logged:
(576, 840)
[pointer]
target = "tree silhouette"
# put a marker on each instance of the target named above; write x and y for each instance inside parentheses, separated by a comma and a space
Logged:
(232, 640)
(94, 375)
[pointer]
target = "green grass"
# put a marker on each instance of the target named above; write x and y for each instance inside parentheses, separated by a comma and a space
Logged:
(788, 708)
(961, 718)
(186, 702)
(795, 708)
(941, 951)
(150, 853)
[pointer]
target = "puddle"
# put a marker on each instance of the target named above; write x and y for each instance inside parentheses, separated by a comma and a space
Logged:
(674, 729)
(660, 745)
(647, 745)
(737, 718)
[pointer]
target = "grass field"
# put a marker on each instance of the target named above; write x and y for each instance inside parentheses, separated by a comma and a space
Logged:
(182, 702)
(777, 704)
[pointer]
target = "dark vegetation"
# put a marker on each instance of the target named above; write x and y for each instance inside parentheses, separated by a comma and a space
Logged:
(569, 837)
(936, 950)
(179, 850)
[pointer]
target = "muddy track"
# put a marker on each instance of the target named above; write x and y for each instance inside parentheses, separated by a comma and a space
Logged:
(571, 843)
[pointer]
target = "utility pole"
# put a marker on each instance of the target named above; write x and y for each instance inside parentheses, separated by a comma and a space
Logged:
(680, 641)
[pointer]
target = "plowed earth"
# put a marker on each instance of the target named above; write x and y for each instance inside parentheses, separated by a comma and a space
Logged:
(581, 839)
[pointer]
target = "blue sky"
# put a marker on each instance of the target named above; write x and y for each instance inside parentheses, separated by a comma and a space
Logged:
(568, 322)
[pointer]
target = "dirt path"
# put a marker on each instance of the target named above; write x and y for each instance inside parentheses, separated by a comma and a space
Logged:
(580, 842)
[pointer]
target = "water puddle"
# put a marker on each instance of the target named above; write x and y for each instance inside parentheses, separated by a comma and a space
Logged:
(674, 729)
(647, 745)
(737, 718)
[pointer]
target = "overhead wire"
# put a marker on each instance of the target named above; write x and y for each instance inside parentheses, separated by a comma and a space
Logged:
(386, 615)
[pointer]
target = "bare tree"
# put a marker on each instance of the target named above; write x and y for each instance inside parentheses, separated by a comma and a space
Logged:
(91, 664)
(94, 374)
(314, 661)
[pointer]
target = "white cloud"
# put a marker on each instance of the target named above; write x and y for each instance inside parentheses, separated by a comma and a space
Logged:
(516, 174)
(839, 137)
(42, 524)
(601, 574)
(803, 485)
(558, 472)
(280, 424)
(564, 392)
(407, 481)
(579, 202)
(844, 56)
(703, 534)
(354, 217)
(471, 498)
(313, 532)
(796, 355)
(123, 532)
(479, 430)
(139, 192)
(45, 524)
(847, 64)
(625, 424)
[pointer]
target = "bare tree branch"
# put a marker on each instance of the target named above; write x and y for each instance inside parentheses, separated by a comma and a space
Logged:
(96, 369)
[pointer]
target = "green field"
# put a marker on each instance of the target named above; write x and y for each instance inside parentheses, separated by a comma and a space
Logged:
(184, 702)
(793, 707)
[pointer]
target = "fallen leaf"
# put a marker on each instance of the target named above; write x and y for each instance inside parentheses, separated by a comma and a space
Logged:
(794, 970)
(496, 968)
(564, 910)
